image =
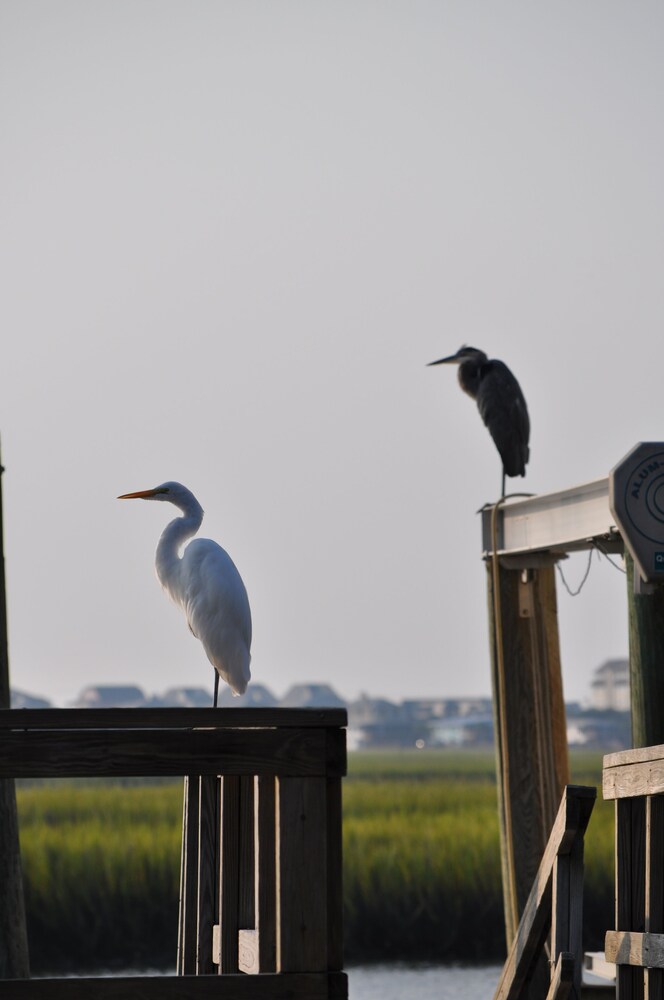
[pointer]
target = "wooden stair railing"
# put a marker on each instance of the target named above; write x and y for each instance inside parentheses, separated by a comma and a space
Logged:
(555, 903)
(635, 780)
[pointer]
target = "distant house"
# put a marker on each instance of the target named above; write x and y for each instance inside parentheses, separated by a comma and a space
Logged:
(19, 699)
(376, 722)
(465, 730)
(610, 686)
(368, 711)
(600, 729)
(184, 697)
(111, 696)
(256, 696)
(311, 696)
(432, 709)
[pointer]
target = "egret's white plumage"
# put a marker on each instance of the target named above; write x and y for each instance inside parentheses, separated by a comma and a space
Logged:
(205, 582)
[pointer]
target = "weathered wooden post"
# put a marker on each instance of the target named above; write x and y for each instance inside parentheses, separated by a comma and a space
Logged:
(14, 962)
(529, 716)
(646, 658)
(522, 540)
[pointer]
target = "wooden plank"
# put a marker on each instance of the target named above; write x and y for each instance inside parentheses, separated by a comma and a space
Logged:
(97, 753)
(337, 758)
(246, 888)
(294, 986)
(567, 909)
(636, 755)
(172, 718)
(552, 716)
(632, 780)
(335, 929)
(301, 875)
(560, 910)
(208, 867)
(14, 959)
(654, 915)
(229, 874)
(187, 923)
(630, 888)
(562, 980)
(571, 822)
(634, 948)
(530, 727)
(248, 950)
(266, 872)
(646, 653)
(248, 957)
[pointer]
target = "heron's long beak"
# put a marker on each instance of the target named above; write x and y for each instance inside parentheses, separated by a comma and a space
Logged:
(140, 495)
(453, 359)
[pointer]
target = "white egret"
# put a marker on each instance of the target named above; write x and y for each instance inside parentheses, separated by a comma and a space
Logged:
(206, 584)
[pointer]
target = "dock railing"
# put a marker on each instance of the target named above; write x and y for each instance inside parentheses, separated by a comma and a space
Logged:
(260, 888)
(555, 903)
(635, 780)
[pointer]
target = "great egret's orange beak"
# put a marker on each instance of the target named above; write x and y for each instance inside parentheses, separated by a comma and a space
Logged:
(140, 495)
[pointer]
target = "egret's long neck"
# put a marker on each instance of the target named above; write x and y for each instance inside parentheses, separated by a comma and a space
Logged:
(174, 535)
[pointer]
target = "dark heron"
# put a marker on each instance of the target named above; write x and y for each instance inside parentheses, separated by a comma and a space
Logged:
(501, 404)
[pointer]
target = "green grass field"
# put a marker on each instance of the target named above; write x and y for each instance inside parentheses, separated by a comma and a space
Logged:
(421, 863)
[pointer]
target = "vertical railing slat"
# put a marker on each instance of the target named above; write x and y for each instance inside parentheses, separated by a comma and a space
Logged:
(301, 875)
(266, 873)
(335, 935)
(229, 873)
(208, 867)
(630, 887)
(187, 925)
(567, 910)
(248, 958)
(246, 896)
(654, 889)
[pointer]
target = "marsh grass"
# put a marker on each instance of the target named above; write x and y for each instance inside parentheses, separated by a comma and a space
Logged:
(421, 864)
(101, 870)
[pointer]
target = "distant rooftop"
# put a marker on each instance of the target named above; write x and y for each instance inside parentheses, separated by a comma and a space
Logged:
(311, 696)
(256, 696)
(111, 696)
(19, 699)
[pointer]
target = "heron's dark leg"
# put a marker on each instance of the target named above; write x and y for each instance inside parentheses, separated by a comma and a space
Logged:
(216, 688)
(502, 492)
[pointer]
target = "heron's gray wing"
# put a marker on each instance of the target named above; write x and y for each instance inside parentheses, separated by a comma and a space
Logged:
(503, 409)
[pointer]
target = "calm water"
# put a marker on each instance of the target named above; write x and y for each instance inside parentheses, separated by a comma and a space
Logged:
(422, 982)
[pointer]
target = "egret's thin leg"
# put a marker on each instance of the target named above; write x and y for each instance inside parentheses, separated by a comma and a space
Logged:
(216, 688)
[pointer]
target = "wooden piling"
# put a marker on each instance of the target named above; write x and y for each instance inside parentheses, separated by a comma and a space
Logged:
(646, 657)
(529, 715)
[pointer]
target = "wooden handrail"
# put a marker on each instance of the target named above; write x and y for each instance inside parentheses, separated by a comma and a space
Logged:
(555, 901)
(171, 718)
(57, 743)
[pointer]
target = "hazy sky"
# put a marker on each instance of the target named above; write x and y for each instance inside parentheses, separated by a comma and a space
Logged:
(232, 236)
